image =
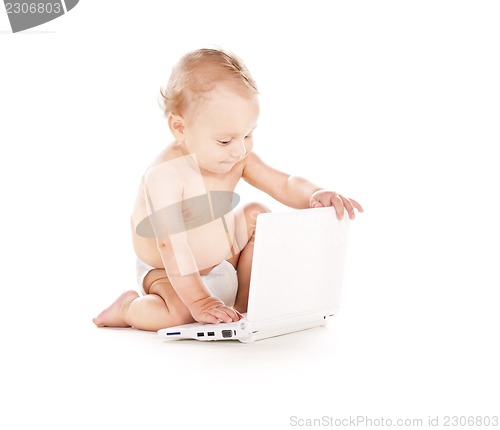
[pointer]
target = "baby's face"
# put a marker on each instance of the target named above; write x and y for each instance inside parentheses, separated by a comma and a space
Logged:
(218, 128)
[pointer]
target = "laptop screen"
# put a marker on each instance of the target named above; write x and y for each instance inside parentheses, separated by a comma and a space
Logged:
(298, 264)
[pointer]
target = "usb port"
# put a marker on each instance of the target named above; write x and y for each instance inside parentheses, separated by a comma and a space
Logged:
(211, 333)
(227, 333)
(200, 334)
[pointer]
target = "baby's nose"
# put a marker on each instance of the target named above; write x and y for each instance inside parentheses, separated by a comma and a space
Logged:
(238, 149)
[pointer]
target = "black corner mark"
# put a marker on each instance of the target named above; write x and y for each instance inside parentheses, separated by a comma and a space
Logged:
(70, 4)
(25, 14)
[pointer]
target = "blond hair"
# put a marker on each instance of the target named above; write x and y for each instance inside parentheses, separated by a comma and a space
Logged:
(198, 72)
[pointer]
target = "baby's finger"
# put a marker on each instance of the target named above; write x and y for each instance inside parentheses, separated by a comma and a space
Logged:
(316, 204)
(207, 318)
(338, 204)
(349, 207)
(233, 313)
(356, 205)
(222, 313)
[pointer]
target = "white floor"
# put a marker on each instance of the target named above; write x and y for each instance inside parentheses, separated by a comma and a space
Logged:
(407, 344)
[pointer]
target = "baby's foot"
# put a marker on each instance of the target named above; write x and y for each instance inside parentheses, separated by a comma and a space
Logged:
(114, 315)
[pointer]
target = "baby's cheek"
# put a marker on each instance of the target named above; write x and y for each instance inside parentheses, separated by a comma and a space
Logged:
(248, 145)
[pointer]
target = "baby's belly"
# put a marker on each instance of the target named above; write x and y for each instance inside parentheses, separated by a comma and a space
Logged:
(213, 242)
(209, 244)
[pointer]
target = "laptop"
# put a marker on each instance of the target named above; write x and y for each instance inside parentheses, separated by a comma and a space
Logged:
(296, 278)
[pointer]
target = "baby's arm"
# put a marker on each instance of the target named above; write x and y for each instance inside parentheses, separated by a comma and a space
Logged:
(189, 287)
(294, 191)
(164, 193)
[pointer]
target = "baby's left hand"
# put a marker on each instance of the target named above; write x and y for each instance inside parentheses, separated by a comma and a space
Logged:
(322, 198)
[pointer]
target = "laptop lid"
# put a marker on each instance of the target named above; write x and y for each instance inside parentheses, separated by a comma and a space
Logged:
(298, 264)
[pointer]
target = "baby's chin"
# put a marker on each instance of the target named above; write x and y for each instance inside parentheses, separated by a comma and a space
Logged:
(219, 168)
(225, 168)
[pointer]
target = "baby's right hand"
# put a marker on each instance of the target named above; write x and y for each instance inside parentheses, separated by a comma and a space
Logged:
(213, 311)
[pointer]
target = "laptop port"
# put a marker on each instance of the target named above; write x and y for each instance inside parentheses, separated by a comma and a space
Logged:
(211, 333)
(201, 334)
(227, 333)
(173, 333)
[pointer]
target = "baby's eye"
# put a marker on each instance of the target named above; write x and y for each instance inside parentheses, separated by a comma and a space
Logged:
(224, 142)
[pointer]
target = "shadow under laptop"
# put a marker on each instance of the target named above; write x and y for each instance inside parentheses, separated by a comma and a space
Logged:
(305, 342)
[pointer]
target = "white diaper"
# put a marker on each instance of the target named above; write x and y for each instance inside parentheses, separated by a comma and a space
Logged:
(221, 282)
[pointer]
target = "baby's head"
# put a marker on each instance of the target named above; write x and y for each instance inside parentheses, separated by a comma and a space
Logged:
(199, 72)
(212, 108)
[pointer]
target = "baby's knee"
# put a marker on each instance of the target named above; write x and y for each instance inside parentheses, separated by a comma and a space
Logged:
(252, 210)
(246, 221)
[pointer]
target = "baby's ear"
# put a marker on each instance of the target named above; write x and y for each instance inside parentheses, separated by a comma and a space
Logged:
(176, 124)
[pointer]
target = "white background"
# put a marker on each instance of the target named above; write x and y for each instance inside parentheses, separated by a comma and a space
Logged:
(393, 103)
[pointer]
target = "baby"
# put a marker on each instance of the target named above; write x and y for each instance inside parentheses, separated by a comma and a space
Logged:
(194, 246)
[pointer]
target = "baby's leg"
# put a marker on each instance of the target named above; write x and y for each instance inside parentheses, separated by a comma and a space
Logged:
(148, 312)
(162, 307)
(115, 314)
(245, 232)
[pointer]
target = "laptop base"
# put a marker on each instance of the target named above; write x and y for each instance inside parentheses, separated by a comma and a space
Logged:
(245, 331)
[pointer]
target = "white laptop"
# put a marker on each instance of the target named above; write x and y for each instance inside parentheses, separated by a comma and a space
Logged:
(296, 279)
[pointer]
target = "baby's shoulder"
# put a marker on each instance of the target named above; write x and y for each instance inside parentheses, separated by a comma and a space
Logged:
(174, 170)
(168, 155)
(171, 161)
